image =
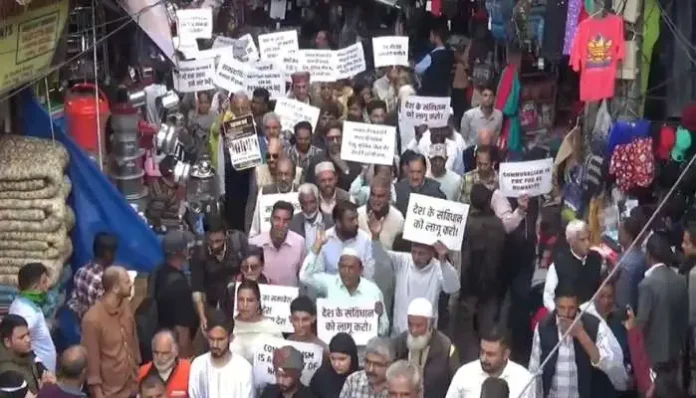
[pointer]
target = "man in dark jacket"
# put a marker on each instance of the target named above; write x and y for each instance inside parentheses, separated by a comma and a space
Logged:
(416, 182)
(436, 67)
(482, 250)
(429, 349)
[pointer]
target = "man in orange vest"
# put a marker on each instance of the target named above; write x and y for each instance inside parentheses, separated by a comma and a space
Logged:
(167, 365)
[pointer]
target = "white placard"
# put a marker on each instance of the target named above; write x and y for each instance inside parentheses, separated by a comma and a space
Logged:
(368, 143)
(293, 61)
(276, 304)
(432, 111)
(321, 65)
(194, 75)
(360, 320)
(263, 359)
(224, 41)
(266, 75)
(245, 49)
(230, 74)
(278, 8)
(431, 219)
(390, 50)
(273, 45)
(188, 47)
(196, 23)
(531, 178)
(292, 112)
(266, 203)
(350, 61)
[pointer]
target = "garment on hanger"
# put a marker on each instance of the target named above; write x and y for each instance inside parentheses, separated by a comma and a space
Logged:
(597, 49)
(554, 28)
(571, 24)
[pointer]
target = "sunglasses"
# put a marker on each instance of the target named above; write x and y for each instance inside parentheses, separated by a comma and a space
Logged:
(272, 156)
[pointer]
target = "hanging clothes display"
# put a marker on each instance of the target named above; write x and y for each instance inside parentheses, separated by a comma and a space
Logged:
(574, 9)
(554, 28)
(597, 49)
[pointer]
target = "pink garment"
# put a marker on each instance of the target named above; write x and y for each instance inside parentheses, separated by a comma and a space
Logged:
(281, 265)
(598, 47)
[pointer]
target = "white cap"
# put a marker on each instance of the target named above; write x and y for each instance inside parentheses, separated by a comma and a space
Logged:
(348, 251)
(324, 166)
(420, 307)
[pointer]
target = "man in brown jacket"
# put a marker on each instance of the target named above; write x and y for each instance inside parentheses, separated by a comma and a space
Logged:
(109, 334)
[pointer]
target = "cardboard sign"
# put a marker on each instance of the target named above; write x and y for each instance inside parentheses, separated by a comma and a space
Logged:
(266, 203)
(321, 65)
(230, 74)
(242, 142)
(276, 304)
(273, 45)
(360, 320)
(245, 50)
(195, 23)
(390, 51)
(432, 111)
(368, 143)
(431, 219)
(531, 178)
(264, 372)
(268, 76)
(194, 75)
(350, 61)
(292, 112)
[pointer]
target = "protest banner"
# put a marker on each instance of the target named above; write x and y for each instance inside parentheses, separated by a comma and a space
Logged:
(277, 9)
(368, 143)
(432, 111)
(358, 319)
(188, 47)
(293, 61)
(321, 65)
(266, 203)
(273, 45)
(350, 61)
(276, 304)
(292, 112)
(242, 142)
(264, 372)
(390, 51)
(266, 75)
(431, 219)
(531, 178)
(244, 49)
(194, 75)
(195, 23)
(230, 74)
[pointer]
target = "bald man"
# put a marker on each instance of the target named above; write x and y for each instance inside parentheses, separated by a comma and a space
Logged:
(285, 182)
(109, 335)
(166, 365)
(240, 104)
(486, 137)
(72, 375)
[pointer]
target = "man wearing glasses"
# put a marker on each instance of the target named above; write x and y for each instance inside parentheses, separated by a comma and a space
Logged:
(346, 171)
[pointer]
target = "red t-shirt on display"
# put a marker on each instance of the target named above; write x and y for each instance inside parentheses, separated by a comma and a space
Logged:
(598, 47)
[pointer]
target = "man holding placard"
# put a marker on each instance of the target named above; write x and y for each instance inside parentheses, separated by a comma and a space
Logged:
(287, 365)
(284, 183)
(416, 182)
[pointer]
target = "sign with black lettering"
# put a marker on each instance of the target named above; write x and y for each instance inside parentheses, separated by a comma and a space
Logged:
(264, 372)
(390, 51)
(195, 75)
(242, 142)
(532, 178)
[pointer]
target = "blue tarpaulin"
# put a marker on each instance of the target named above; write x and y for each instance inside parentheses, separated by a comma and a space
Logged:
(98, 205)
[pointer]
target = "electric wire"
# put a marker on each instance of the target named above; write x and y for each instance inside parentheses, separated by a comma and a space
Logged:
(539, 372)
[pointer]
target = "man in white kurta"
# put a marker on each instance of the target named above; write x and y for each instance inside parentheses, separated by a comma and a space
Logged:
(220, 373)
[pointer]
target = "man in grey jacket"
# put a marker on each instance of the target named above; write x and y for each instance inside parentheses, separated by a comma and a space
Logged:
(416, 182)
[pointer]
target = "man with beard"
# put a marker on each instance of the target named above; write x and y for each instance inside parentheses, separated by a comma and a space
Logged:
(346, 171)
(16, 354)
(303, 152)
(326, 178)
(345, 234)
(416, 182)
(220, 373)
(283, 250)
(166, 365)
(109, 334)
(214, 266)
(428, 349)
(371, 382)
(450, 182)
(311, 219)
(285, 182)
(494, 361)
(268, 175)
(379, 206)
(288, 365)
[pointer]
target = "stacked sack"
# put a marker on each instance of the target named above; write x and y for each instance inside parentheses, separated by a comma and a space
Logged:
(34, 218)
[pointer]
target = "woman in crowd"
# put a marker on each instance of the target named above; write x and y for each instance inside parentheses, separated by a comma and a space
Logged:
(252, 270)
(329, 378)
(201, 119)
(251, 327)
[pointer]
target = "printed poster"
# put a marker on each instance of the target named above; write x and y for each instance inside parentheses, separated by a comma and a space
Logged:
(242, 142)
(532, 178)
(429, 220)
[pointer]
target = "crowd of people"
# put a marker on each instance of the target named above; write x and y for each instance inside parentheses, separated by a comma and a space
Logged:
(450, 323)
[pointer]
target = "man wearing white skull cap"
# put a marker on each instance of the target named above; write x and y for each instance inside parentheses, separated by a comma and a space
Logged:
(326, 179)
(427, 348)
